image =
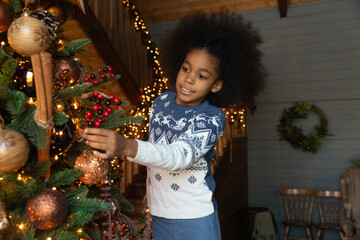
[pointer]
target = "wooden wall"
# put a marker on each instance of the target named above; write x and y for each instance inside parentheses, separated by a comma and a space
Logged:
(155, 11)
(313, 54)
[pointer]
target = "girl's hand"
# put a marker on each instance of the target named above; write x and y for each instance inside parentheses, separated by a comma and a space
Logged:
(113, 144)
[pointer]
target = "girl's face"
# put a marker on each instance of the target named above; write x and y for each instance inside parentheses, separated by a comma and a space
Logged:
(197, 78)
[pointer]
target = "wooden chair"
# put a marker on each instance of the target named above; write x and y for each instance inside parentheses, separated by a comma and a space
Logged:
(330, 209)
(298, 205)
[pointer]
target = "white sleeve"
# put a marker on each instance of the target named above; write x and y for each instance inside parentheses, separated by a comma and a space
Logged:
(171, 157)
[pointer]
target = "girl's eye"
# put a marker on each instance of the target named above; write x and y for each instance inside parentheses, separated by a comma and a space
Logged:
(185, 69)
(202, 76)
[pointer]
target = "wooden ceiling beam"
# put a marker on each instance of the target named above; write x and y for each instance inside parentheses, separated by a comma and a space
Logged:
(282, 8)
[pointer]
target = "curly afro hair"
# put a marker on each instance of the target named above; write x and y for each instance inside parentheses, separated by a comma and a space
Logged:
(228, 38)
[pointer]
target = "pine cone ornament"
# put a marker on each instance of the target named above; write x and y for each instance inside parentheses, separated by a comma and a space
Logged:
(49, 19)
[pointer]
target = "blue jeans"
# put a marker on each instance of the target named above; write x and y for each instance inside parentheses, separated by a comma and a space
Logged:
(205, 228)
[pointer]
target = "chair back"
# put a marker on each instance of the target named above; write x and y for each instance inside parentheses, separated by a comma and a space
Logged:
(298, 204)
(330, 206)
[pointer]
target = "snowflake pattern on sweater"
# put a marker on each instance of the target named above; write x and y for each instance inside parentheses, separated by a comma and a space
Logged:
(181, 145)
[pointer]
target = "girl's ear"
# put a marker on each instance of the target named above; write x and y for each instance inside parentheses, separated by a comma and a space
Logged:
(217, 86)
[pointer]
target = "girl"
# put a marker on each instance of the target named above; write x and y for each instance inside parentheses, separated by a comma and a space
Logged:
(212, 61)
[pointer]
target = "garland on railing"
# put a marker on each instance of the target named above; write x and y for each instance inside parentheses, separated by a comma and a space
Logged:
(294, 135)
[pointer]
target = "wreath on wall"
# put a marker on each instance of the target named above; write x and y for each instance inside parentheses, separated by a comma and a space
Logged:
(294, 135)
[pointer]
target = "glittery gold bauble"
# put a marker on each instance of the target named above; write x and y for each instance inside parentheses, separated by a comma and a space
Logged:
(95, 169)
(58, 8)
(47, 210)
(14, 150)
(3, 219)
(28, 35)
(6, 15)
(67, 68)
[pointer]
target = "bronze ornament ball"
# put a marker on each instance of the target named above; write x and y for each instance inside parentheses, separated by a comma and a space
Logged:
(14, 150)
(47, 210)
(58, 8)
(95, 169)
(67, 68)
(28, 35)
(39, 4)
(6, 15)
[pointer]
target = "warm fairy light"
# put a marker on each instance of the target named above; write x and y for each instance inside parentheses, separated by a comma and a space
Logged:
(1, 178)
(59, 107)
(19, 177)
(31, 101)
(21, 226)
(49, 238)
(53, 188)
(2, 43)
(80, 230)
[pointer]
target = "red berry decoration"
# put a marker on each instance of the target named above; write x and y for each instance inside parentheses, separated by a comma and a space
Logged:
(96, 107)
(112, 75)
(89, 114)
(119, 107)
(97, 124)
(104, 237)
(87, 119)
(112, 96)
(100, 96)
(117, 101)
(109, 109)
(121, 233)
(100, 119)
(96, 82)
(110, 69)
(123, 225)
(106, 114)
(86, 79)
(102, 76)
(95, 94)
(99, 70)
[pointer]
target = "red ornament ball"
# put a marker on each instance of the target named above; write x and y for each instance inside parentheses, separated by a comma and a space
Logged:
(47, 210)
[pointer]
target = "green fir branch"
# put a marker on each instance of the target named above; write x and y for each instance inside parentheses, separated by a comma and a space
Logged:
(63, 178)
(124, 203)
(16, 103)
(76, 150)
(80, 192)
(76, 46)
(60, 118)
(89, 204)
(4, 90)
(17, 6)
(80, 218)
(39, 170)
(94, 233)
(26, 125)
(17, 192)
(118, 119)
(8, 67)
(60, 234)
(69, 93)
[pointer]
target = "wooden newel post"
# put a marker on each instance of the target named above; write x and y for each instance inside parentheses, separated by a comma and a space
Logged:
(43, 76)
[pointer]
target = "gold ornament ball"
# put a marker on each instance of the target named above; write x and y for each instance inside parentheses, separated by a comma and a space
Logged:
(28, 35)
(47, 210)
(14, 150)
(3, 219)
(6, 15)
(95, 169)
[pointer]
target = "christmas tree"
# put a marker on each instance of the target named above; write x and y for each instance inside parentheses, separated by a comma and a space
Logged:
(51, 185)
